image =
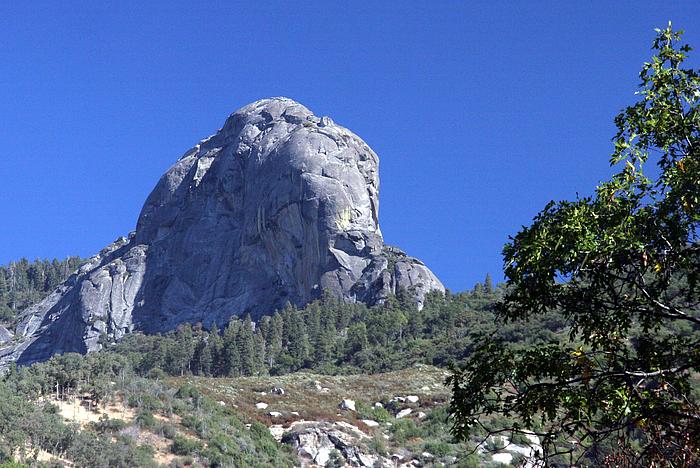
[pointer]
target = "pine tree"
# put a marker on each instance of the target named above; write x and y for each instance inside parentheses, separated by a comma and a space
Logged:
(274, 340)
(202, 359)
(295, 338)
(216, 346)
(313, 322)
(246, 347)
(325, 347)
(488, 284)
(357, 339)
(182, 351)
(232, 358)
(259, 340)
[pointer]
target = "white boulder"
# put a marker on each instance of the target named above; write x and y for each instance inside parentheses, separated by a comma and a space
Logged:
(348, 405)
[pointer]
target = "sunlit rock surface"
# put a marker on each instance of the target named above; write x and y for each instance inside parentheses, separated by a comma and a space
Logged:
(275, 207)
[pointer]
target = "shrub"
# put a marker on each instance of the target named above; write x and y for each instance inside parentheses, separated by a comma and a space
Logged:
(167, 430)
(106, 424)
(438, 448)
(380, 414)
(404, 429)
(335, 460)
(377, 445)
(187, 391)
(185, 446)
(145, 419)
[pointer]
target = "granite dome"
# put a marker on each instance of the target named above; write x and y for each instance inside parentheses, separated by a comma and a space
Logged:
(275, 207)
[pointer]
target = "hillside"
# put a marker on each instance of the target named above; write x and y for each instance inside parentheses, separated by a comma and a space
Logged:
(78, 416)
(269, 389)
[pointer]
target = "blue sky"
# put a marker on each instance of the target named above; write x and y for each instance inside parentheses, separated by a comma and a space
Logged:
(480, 112)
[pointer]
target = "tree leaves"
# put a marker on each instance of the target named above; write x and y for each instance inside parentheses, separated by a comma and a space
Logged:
(622, 268)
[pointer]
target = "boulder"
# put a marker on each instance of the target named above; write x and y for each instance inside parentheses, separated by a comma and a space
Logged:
(502, 458)
(277, 430)
(314, 441)
(348, 405)
(403, 413)
(5, 335)
(261, 405)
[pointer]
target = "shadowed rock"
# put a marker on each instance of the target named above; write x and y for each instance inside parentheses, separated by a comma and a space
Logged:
(275, 207)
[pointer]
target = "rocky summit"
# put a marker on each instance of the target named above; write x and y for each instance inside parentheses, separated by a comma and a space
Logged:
(277, 206)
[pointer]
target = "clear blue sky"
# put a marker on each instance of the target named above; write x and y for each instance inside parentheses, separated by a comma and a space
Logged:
(480, 112)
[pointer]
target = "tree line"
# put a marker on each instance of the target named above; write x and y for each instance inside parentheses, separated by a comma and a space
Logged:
(23, 283)
(327, 336)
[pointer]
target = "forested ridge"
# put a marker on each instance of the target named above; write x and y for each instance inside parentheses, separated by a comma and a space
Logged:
(327, 337)
(23, 283)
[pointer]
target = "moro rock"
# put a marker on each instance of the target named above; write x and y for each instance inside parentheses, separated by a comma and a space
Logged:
(277, 206)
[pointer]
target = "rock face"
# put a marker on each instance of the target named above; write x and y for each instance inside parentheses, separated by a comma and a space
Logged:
(275, 207)
(5, 335)
(315, 441)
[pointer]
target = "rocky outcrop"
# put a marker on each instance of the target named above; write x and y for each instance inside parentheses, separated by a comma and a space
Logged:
(276, 207)
(315, 442)
(5, 335)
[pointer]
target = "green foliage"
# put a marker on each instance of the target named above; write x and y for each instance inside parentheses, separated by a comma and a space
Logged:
(29, 423)
(621, 269)
(145, 419)
(439, 449)
(378, 445)
(365, 411)
(327, 336)
(23, 283)
(335, 460)
(107, 425)
(185, 446)
(405, 429)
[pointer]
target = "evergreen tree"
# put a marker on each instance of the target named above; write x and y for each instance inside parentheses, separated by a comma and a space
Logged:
(216, 346)
(274, 340)
(232, 358)
(180, 350)
(245, 343)
(488, 284)
(202, 359)
(259, 340)
(295, 338)
(356, 341)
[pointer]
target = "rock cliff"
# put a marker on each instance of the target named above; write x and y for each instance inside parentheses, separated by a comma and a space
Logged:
(275, 207)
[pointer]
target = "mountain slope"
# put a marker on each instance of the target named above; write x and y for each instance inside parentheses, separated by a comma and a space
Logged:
(276, 207)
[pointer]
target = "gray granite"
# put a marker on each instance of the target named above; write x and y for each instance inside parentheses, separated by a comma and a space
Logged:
(275, 207)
